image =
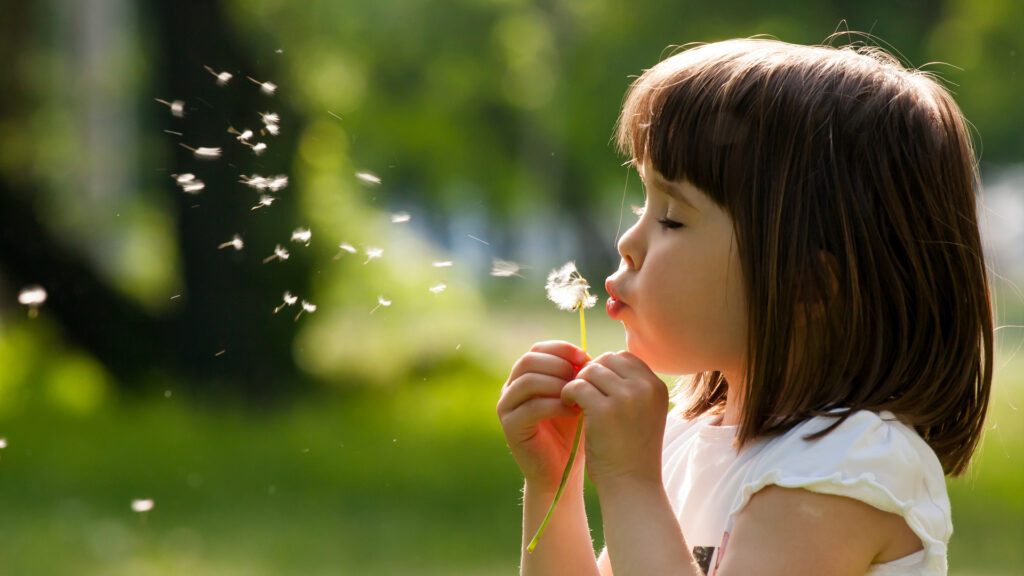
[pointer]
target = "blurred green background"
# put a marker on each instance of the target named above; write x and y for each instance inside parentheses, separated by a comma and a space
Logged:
(360, 438)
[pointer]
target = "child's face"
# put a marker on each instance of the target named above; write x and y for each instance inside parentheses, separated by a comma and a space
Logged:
(679, 289)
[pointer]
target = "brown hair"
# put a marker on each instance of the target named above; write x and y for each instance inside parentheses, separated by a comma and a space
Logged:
(851, 183)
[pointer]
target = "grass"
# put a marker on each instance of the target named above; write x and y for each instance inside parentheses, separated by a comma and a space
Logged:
(409, 480)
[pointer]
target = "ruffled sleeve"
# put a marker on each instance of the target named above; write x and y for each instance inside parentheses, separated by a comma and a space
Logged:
(873, 458)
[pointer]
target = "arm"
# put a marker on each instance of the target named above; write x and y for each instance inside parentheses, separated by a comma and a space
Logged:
(540, 429)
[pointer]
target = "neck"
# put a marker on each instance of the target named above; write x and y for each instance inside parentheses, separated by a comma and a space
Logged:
(734, 402)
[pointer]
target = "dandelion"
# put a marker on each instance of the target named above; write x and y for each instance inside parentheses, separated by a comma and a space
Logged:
(267, 88)
(222, 77)
(203, 152)
(505, 268)
(264, 201)
(258, 148)
(273, 129)
(177, 107)
(279, 252)
(569, 291)
(141, 506)
(443, 264)
(270, 118)
(400, 217)
(368, 178)
(302, 235)
(33, 297)
(381, 301)
(306, 307)
(289, 300)
(438, 288)
(372, 253)
(235, 242)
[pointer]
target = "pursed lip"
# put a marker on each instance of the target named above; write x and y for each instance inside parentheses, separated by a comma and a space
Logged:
(614, 305)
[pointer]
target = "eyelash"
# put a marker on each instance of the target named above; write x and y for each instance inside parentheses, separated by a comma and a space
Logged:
(666, 222)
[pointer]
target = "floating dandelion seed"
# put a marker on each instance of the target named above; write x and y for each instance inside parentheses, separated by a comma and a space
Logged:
(189, 183)
(235, 242)
(33, 297)
(258, 148)
(505, 268)
(279, 252)
(270, 118)
(400, 217)
(264, 201)
(437, 289)
(302, 235)
(177, 107)
(381, 301)
(345, 247)
(267, 88)
(183, 178)
(306, 307)
(273, 129)
(193, 187)
(289, 300)
(568, 289)
(368, 177)
(3, 443)
(141, 506)
(203, 152)
(372, 253)
(277, 183)
(242, 136)
(222, 77)
(443, 264)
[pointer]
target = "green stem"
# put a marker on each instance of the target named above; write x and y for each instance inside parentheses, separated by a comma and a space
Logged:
(572, 455)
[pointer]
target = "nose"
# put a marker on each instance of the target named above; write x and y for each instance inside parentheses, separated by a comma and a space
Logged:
(630, 247)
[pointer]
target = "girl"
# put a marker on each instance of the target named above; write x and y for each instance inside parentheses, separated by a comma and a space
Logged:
(809, 250)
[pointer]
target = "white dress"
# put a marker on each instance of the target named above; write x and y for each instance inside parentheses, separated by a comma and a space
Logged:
(873, 458)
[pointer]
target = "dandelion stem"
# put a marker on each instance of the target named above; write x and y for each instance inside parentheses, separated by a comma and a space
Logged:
(572, 453)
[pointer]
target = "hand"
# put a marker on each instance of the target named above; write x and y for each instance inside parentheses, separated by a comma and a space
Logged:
(539, 427)
(624, 405)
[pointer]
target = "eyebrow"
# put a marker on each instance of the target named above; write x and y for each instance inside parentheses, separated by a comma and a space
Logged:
(671, 189)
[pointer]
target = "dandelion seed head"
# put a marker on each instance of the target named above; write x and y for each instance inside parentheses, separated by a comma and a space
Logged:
(280, 252)
(223, 78)
(259, 148)
(273, 129)
(504, 268)
(443, 264)
(400, 217)
(264, 201)
(277, 183)
(383, 301)
(268, 88)
(308, 307)
(438, 288)
(289, 299)
(347, 247)
(270, 118)
(32, 296)
(302, 235)
(245, 135)
(368, 178)
(142, 505)
(568, 289)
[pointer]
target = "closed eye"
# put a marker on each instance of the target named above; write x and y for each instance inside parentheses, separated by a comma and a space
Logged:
(669, 223)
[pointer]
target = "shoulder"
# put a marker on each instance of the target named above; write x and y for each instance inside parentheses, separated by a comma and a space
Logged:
(867, 465)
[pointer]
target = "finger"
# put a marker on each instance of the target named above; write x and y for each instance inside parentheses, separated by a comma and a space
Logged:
(565, 350)
(536, 410)
(601, 377)
(541, 363)
(582, 393)
(529, 386)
